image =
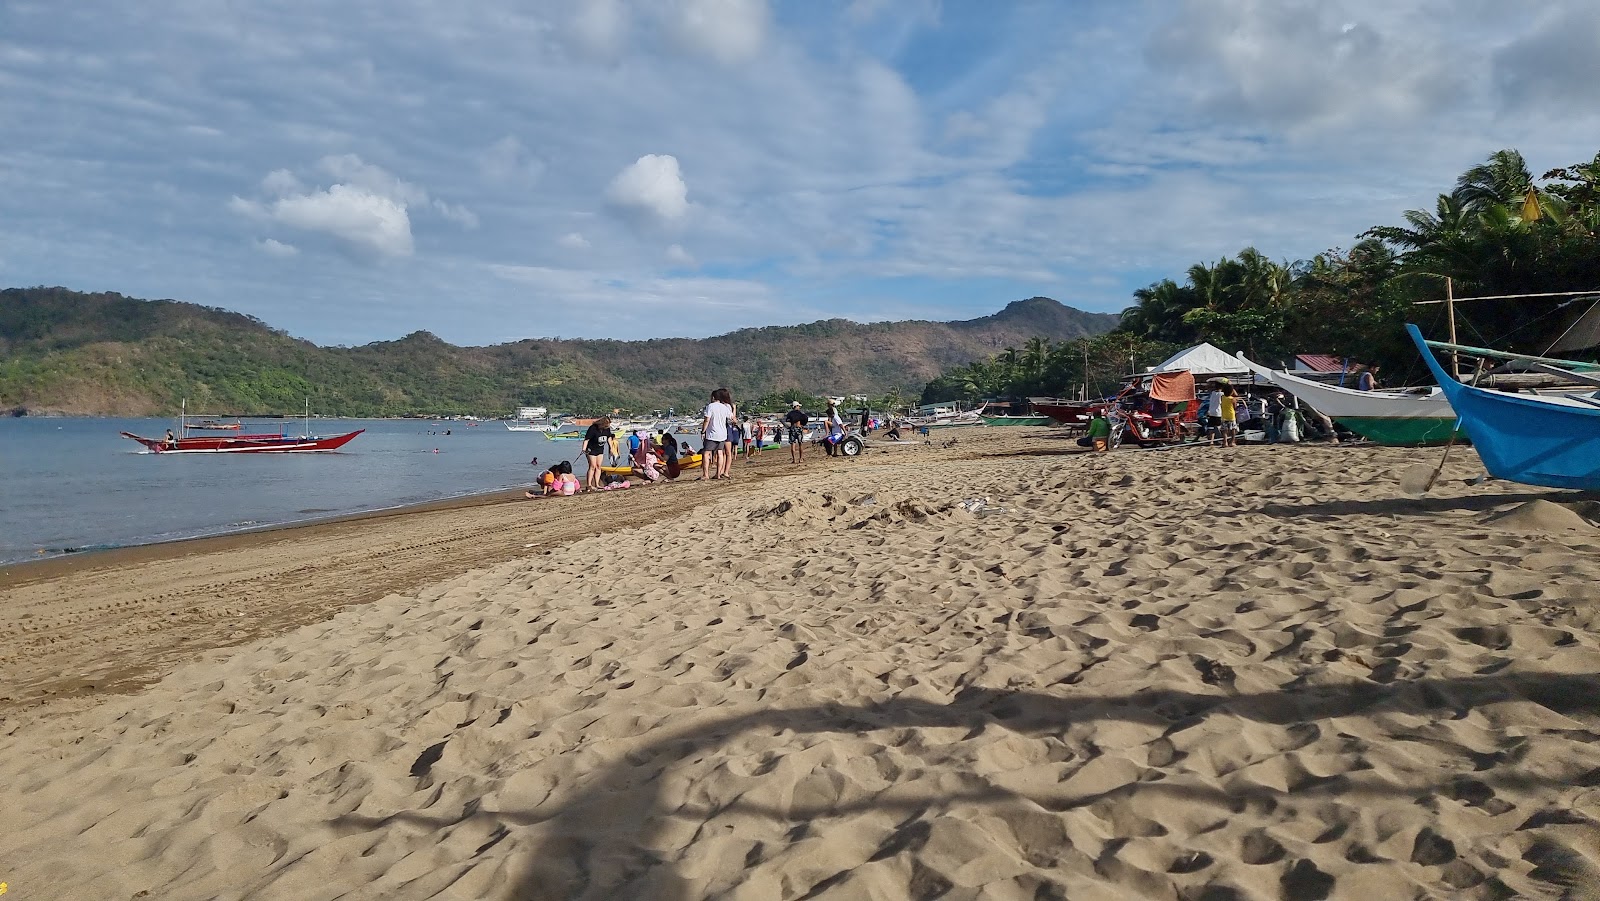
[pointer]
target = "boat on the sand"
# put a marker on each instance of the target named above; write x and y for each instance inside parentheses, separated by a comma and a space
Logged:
(1005, 420)
(1393, 418)
(1547, 440)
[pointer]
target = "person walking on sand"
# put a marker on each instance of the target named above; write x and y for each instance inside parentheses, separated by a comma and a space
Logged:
(596, 440)
(796, 420)
(714, 425)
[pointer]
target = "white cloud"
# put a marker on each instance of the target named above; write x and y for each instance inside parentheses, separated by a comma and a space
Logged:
(573, 241)
(275, 248)
(370, 224)
(350, 169)
(678, 256)
(728, 31)
(651, 186)
(367, 210)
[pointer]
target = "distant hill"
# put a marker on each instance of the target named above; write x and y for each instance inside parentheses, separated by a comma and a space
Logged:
(67, 352)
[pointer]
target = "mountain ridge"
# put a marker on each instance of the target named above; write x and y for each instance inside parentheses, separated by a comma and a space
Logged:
(106, 354)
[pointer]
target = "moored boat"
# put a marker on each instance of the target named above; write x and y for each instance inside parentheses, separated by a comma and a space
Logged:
(1547, 440)
(245, 444)
(1393, 418)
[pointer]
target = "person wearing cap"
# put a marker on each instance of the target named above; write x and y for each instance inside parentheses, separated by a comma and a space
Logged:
(796, 419)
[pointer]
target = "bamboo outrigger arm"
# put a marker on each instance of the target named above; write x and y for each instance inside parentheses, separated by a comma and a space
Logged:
(1571, 365)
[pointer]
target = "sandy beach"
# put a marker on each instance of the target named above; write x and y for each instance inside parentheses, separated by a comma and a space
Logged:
(1001, 670)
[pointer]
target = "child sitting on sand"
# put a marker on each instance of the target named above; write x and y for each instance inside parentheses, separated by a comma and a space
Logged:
(546, 485)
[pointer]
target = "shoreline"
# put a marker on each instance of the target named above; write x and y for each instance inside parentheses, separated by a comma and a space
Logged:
(78, 627)
(18, 572)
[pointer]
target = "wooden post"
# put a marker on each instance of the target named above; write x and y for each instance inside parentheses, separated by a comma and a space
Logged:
(1450, 314)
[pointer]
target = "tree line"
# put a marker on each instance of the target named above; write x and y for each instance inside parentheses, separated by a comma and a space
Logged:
(1498, 231)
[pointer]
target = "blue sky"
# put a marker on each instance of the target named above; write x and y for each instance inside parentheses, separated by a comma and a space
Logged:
(498, 169)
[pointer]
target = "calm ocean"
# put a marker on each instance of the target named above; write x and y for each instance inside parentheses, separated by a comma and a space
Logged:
(75, 484)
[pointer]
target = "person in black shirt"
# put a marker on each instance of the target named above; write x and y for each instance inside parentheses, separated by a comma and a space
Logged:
(595, 441)
(796, 419)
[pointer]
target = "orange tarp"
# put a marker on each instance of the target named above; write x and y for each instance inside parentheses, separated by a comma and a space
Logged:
(1172, 386)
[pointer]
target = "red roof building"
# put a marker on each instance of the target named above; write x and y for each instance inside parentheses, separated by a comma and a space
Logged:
(1324, 363)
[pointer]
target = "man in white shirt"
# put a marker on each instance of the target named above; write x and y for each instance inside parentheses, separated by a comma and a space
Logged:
(716, 455)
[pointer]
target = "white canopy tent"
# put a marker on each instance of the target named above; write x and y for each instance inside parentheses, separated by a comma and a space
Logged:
(1205, 361)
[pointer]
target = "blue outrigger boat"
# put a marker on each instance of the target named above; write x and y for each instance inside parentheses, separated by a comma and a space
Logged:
(1547, 440)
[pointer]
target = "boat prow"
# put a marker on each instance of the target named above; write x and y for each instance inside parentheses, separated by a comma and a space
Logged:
(1550, 441)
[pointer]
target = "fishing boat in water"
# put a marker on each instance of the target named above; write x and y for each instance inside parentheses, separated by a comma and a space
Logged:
(1393, 418)
(244, 444)
(1547, 440)
(214, 426)
(182, 442)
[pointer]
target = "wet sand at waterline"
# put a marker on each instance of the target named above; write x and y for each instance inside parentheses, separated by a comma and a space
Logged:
(1119, 676)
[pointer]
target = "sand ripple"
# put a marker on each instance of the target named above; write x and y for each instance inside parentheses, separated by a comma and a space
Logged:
(1113, 676)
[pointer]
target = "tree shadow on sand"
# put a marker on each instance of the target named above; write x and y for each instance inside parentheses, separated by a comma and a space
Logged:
(1415, 506)
(597, 842)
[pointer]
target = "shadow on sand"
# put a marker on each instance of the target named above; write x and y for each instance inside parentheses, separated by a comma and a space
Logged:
(596, 843)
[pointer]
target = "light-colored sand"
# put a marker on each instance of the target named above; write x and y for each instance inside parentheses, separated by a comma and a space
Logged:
(1119, 676)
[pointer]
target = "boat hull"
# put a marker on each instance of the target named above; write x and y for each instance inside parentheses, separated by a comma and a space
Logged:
(247, 444)
(1392, 418)
(1553, 442)
(1017, 420)
(1403, 432)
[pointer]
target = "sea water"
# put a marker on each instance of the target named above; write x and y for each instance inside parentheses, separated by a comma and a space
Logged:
(72, 484)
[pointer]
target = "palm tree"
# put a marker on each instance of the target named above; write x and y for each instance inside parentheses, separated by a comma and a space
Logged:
(1503, 179)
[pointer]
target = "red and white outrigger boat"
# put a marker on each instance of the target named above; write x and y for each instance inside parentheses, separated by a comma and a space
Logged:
(268, 443)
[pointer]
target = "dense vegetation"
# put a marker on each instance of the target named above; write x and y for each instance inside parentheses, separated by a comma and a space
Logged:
(1499, 231)
(64, 351)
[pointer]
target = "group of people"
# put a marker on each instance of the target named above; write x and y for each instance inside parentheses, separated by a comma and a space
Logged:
(1228, 412)
(652, 458)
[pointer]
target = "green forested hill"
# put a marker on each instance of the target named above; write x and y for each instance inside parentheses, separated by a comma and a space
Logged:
(69, 352)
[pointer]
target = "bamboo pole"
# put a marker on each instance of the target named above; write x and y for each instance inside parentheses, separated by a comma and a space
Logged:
(1450, 312)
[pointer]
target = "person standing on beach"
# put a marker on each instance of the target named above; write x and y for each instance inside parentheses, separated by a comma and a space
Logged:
(796, 419)
(758, 430)
(1230, 417)
(1214, 410)
(835, 424)
(714, 424)
(596, 440)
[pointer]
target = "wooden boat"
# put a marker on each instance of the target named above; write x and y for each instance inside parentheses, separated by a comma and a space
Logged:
(1392, 418)
(1070, 413)
(245, 444)
(1004, 420)
(1547, 440)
